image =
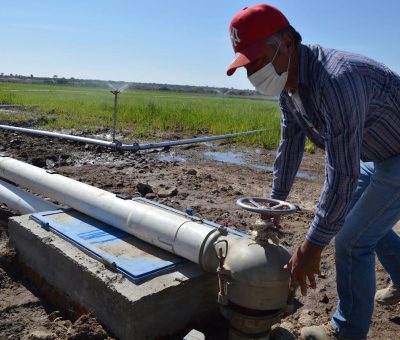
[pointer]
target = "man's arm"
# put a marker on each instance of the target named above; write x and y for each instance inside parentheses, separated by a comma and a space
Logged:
(344, 108)
(289, 155)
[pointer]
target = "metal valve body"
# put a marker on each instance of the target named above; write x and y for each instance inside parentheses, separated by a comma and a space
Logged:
(254, 286)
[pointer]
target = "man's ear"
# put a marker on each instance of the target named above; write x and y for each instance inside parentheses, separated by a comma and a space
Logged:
(288, 42)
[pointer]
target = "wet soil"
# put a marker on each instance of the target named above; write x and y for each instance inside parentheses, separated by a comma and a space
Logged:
(207, 178)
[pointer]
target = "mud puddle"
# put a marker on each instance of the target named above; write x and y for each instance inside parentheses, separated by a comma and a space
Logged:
(239, 158)
(230, 157)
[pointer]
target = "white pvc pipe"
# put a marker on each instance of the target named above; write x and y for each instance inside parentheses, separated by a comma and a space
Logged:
(161, 227)
(21, 201)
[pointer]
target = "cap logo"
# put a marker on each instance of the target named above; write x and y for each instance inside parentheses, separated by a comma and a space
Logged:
(234, 36)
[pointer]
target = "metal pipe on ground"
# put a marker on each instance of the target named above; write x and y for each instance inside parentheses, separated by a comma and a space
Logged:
(195, 140)
(59, 135)
(253, 283)
(116, 145)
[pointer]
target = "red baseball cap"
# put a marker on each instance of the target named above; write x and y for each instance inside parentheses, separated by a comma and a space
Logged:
(249, 30)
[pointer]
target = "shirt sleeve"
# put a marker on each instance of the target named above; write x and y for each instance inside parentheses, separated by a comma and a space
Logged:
(344, 106)
(289, 155)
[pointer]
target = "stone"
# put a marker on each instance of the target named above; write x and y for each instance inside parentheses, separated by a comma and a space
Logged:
(144, 188)
(192, 172)
(163, 193)
(41, 334)
(150, 195)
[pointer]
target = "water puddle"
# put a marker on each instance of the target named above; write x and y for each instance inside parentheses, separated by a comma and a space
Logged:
(231, 157)
(238, 158)
(170, 158)
(107, 136)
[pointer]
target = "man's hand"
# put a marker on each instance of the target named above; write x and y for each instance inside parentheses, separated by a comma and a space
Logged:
(304, 264)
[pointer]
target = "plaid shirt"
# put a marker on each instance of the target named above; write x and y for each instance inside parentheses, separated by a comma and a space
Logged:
(351, 109)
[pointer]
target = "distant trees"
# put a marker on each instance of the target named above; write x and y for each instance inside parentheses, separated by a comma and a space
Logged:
(62, 81)
(56, 80)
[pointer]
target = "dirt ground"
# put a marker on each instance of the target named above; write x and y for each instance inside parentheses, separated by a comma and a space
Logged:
(182, 177)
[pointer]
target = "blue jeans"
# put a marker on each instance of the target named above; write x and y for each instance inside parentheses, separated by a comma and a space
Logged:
(368, 228)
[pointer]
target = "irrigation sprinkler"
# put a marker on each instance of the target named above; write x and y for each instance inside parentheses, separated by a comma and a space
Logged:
(115, 93)
(223, 93)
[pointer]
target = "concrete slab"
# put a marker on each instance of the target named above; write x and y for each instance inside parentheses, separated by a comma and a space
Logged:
(158, 307)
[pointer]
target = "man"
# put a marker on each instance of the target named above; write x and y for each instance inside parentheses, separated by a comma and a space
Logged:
(348, 105)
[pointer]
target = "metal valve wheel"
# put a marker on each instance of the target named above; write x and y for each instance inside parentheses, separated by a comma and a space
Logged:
(266, 205)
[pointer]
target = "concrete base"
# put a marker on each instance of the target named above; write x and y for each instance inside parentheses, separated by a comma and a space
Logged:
(159, 307)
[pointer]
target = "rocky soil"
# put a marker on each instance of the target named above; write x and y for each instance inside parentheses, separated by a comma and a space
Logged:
(183, 177)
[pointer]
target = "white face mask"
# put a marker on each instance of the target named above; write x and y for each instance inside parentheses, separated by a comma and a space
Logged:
(267, 81)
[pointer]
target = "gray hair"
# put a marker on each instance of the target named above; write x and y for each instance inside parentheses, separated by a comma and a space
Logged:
(275, 40)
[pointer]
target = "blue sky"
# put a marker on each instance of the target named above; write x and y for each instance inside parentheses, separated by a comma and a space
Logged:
(174, 41)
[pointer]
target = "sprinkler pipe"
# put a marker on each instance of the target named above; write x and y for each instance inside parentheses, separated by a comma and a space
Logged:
(116, 145)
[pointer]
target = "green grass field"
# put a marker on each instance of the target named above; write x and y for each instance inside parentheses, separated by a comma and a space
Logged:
(145, 113)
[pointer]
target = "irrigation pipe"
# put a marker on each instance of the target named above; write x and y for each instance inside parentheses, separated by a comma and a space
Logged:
(194, 140)
(59, 135)
(127, 147)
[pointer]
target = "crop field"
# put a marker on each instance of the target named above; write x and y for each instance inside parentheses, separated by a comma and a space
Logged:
(144, 114)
